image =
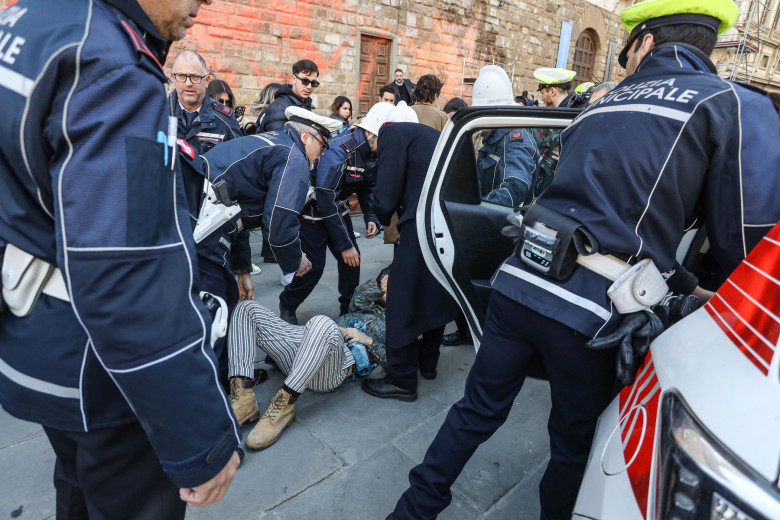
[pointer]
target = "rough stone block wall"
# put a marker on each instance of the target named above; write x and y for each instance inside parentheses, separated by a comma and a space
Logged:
(250, 43)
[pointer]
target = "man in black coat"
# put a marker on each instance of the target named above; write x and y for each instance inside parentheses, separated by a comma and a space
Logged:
(417, 305)
(298, 94)
(402, 88)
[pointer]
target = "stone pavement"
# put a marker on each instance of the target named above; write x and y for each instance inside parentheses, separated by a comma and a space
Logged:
(347, 455)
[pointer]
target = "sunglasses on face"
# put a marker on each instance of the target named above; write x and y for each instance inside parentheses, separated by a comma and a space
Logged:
(306, 82)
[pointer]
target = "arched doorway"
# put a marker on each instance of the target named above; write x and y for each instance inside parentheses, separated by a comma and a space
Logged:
(585, 56)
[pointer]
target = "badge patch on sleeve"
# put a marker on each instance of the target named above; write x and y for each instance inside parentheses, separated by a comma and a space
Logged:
(225, 110)
(350, 144)
(515, 135)
(185, 147)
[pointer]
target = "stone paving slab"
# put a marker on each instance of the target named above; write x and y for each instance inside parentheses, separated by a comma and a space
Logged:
(26, 470)
(347, 454)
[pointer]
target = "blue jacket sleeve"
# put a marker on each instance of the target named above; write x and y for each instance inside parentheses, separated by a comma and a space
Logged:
(124, 244)
(327, 187)
(744, 180)
(520, 159)
(390, 182)
(287, 191)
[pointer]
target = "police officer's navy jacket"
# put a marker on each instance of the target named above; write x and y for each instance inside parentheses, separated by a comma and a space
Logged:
(214, 124)
(672, 144)
(268, 175)
(508, 165)
(103, 203)
(273, 117)
(347, 167)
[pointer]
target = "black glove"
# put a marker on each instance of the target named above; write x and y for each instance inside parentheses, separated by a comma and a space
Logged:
(632, 336)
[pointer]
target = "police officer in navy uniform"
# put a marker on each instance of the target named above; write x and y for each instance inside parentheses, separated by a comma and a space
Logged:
(418, 307)
(113, 356)
(682, 144)
(347, 167)
(204, 123)
(269, 176)
(508, 161)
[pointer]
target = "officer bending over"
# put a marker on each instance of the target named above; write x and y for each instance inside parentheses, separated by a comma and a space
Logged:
(704, 160)
(269, 176)
(348, 166)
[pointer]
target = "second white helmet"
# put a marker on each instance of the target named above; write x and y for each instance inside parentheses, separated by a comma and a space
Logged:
(376, 117)
(492, 87)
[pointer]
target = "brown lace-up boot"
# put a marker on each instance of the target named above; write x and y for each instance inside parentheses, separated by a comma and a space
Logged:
(280, 413)
(242, 400)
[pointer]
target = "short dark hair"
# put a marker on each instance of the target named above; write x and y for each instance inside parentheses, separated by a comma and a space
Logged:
(217, 87)
(384, 272)
(453, 105)
(703, 38)
(427, 88)
(388, 89)
(398, 70)
(340, 100)
(306, 67)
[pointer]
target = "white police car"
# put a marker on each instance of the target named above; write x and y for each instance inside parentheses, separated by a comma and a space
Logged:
(697, 436)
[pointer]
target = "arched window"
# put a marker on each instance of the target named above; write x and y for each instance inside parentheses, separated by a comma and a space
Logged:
(584, 56)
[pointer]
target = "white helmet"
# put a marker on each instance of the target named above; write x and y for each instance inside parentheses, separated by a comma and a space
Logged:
(492, 87)
(375, 117)
(402, 113)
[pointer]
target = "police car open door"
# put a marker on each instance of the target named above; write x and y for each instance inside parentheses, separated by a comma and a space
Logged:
(474, 182)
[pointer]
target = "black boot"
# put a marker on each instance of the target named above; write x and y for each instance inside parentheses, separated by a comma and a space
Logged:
(455, 338)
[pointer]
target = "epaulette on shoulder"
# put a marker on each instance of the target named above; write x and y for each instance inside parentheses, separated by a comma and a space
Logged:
(219, 107)
(349, 144)
(516, 135)
(140, 44)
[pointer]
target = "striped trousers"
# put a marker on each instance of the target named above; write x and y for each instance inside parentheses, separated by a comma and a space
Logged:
(313, 356)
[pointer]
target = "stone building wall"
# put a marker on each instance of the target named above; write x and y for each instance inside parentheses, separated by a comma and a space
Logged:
(250, 43)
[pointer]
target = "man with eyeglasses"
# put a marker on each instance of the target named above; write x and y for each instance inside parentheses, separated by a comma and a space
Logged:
(203, 122)
(296, 94)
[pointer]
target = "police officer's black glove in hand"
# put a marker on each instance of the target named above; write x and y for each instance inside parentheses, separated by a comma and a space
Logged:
(632, 336)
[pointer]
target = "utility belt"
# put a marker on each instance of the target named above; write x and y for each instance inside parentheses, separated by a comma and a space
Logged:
(25, 278)
(554, 244)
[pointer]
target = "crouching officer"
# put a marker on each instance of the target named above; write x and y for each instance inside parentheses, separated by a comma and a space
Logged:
(508, 162)
(348, 166)
(104, 339)
(677, 152)
(269, 176)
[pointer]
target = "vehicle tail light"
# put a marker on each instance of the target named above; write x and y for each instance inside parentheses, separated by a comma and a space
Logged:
(700, 479)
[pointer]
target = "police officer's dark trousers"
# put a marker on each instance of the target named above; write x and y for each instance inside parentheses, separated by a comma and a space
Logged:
(110, 473)
(215, 279)
(315, 242)
(581, 382)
